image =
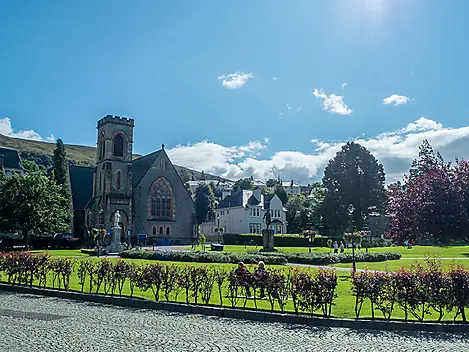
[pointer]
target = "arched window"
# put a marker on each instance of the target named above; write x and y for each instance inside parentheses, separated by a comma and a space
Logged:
(167, 230)
(161, 230)
(154, 230)
(161, 200)
(118, 180)
(119, 145)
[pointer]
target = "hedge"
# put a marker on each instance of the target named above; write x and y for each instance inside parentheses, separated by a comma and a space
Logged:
(281, 240)
(330, 258)
(281, 258)
(204, 257)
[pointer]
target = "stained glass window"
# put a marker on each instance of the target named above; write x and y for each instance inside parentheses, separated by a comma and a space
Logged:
(161, 199)
(167, 230)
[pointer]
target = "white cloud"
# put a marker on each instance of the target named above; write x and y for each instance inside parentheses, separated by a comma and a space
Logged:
(7, 130)
(396, 99)
(288, 107)
(266, 140)
(344, 85)
(395, 150)
(332, 103)
(235, 80)
(275, 79)
(299, 109)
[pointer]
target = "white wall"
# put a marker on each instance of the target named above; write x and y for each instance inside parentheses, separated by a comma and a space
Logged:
(233, 220)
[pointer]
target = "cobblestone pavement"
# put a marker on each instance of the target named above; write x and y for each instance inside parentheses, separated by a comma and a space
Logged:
(36, 323)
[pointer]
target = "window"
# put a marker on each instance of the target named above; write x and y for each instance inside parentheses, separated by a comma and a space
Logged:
(118, 180)
(257, 212)
(227, 212)
(102, 146)
(119, 145)
(154, 230)
(163, 164)
(161, 230)
(161, 200)
(167, 230)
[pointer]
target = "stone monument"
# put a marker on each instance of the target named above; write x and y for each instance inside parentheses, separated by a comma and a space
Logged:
(116, 246)
(268, 235)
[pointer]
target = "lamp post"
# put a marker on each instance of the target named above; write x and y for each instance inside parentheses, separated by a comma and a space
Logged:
(218, 227)
(365, 230)
(351, 210)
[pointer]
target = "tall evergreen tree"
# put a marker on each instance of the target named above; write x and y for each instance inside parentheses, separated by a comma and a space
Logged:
(354, 177)
(205, 202)
(59, 166)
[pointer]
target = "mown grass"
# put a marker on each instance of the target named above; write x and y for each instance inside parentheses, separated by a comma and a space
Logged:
(343, 305)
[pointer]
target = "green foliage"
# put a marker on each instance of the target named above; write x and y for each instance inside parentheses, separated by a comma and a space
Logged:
(355, 177)
(271, 182)
(59, 167)
(281, 193)
(205, 203)
(204, 257)
(185, 175)
(297, 213)
(245, 183)
(32, 202)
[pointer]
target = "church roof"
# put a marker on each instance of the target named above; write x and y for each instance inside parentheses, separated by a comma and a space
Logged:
(11, 158)
(81, 183)
(141, 165)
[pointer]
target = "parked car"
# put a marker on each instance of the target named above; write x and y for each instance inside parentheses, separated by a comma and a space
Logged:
(66, 241)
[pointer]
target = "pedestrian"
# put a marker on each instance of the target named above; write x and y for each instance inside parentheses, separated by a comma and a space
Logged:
(260, 276)
(242, 275)
(342, 248)
(336, 247)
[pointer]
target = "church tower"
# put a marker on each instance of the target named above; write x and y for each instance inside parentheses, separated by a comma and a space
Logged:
(112, 188)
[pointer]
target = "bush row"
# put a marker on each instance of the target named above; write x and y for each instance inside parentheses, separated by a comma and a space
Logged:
(285, 240)
(418, 291)
(204, 257)
(309, 291)
(324, 258)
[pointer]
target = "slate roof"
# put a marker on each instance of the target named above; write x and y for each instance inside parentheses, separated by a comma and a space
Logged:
(141, 165)
(81, 183)
(267, 199)
(253, 201)
(234, 200)
(11, 158)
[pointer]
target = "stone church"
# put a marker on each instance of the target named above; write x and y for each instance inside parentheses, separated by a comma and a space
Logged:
(148, 192)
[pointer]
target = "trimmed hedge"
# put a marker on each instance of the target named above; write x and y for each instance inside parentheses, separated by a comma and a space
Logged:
(89, 251)
(281, 240)
(330, 258)
(280, 258)
(204, 257)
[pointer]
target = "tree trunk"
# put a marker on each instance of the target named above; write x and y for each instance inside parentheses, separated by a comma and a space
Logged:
(26, 238)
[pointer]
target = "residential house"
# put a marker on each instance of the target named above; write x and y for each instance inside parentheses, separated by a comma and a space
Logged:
(243, 211)
(220, 185)
(10, 161)
(291, 188)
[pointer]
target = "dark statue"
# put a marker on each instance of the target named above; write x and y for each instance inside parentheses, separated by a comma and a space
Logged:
(268, 219)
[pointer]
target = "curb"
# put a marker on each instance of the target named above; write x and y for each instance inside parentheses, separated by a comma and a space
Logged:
(245, 314)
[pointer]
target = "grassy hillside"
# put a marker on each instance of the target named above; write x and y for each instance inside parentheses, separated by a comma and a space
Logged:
(41, 153)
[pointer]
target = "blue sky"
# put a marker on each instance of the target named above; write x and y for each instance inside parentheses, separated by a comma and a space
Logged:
(262, 88)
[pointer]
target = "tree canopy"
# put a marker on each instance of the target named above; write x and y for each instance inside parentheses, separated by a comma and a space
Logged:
(205, 202)
(432, 202)
(59, 166)
(32, 203)
(245, 183)
(355, 177)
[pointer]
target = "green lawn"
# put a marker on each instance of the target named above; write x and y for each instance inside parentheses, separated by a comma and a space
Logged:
(63, 252)
(343, 308)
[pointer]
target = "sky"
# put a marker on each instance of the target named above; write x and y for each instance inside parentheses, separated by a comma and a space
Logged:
(242, 88)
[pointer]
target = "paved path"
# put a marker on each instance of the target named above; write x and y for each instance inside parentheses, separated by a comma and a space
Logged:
(36, 323)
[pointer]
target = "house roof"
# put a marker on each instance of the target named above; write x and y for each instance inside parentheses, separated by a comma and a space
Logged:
(267, 199)
(81, 183)
(234, 200)
(253, 201)
(141, 165)
(11, 158)
(289, 184)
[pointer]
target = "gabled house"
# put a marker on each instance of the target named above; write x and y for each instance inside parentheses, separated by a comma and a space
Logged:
(10, 161)
(243, 211)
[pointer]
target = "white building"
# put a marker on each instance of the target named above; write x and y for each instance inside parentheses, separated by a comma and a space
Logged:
(243, 212)
(220, 185)
(291, 188)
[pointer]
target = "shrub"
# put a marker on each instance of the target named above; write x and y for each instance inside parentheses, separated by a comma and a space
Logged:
(203, 257)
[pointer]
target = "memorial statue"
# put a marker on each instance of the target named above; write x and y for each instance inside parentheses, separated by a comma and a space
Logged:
(117, 217)
(268, 219)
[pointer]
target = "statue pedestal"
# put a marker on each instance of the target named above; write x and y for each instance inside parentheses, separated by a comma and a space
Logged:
(116, 246)
(268, 241)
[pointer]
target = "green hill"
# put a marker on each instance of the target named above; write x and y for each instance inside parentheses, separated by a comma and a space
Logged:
(41, 153)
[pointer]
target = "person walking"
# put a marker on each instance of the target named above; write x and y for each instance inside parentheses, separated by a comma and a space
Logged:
(336, 247)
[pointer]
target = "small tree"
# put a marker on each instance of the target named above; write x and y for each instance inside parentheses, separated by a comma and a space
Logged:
(202, 240)
(59, 168)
